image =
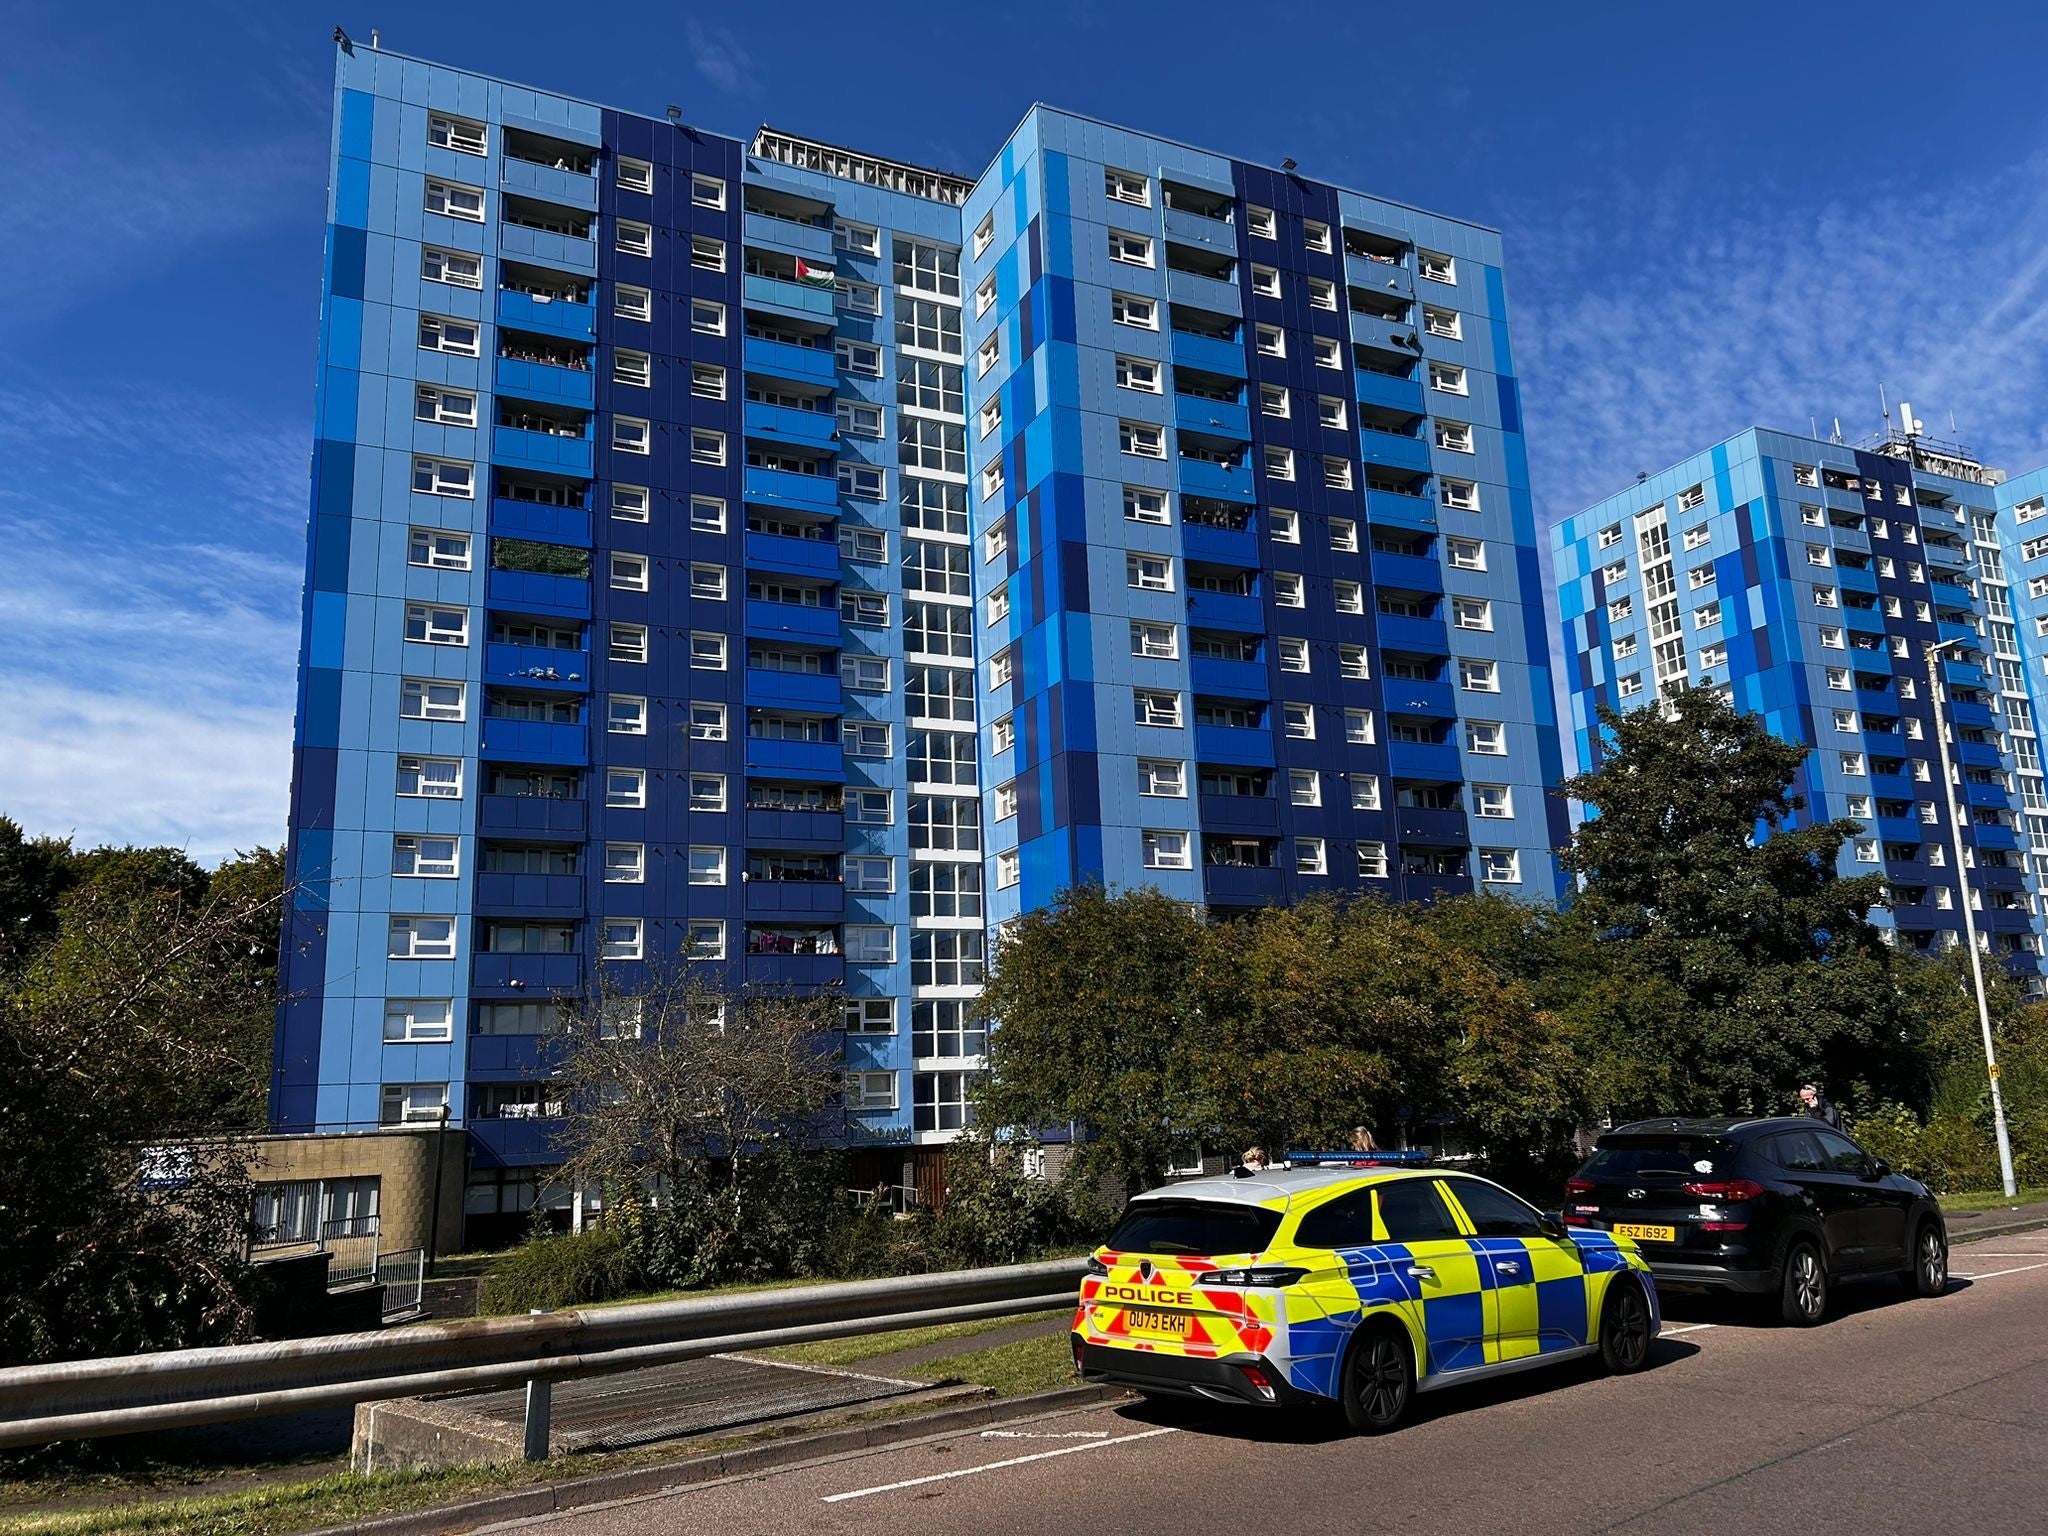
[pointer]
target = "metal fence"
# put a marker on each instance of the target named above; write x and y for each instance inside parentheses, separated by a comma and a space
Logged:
(80, 1399)
(404, 1276)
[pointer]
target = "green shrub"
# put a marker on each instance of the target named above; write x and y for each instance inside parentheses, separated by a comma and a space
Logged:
(566, 1270)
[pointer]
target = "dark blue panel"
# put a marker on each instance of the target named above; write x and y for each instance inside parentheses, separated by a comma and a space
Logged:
(346, 263)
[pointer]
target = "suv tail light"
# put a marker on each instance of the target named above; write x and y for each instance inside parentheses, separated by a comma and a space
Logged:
(1727, 1191)
(1578, 1186)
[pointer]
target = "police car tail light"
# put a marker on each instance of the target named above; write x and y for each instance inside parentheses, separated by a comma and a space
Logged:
(1726, 1191)
(1095, 1267)
(1258, 1382)
(1272, 1274)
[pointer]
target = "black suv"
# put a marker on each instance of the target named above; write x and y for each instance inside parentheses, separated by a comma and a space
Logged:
(1760, 1207)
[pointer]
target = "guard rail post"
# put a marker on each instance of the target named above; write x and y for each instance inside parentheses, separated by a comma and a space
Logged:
(539, 1408)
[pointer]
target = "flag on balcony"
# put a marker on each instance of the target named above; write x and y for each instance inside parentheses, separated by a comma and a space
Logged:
(814, 276)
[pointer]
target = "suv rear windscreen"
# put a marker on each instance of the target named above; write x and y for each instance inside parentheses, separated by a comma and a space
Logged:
(1654, 1157)
(1193, 1226)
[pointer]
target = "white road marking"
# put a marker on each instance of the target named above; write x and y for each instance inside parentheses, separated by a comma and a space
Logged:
(1672, 1333)
(993, 1466)
(2017, 1269)
(1044, 1434)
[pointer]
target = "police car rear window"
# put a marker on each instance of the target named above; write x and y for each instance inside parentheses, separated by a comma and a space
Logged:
(1194, 1226)
(1654, 1157)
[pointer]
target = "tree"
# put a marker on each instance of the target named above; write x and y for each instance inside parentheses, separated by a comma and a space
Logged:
(34, 873)
(663, 1080)
(1701, 882)
(1099, 999)
(140, 1019)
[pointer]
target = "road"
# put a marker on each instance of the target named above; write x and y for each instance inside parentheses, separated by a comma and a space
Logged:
(1894, 1415)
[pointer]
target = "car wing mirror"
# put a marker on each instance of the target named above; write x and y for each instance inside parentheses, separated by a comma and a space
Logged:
(1880, 1169)
(1552, 1223)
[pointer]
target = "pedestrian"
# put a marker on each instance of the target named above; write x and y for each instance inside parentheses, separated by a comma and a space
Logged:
(1361, 1139)
(1252, 1160)
(1818, 1107)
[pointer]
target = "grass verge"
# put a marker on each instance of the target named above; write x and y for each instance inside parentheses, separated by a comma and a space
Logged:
(1010, 1370)
(869, 1346)
(1993, 1199)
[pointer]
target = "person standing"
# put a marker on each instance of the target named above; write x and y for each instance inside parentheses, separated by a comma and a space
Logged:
(1818, 1107)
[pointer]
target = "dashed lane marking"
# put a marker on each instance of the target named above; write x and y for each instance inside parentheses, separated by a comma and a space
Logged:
(995, 1466)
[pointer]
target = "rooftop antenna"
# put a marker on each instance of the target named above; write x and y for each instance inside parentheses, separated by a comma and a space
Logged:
(374, 42)
(1812, 427)
(1887, 407)
(1838, 431)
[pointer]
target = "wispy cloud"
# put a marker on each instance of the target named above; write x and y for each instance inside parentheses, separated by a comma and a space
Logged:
(721, 59)
(1653, 321)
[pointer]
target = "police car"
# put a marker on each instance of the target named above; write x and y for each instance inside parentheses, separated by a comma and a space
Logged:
(1359, 1285)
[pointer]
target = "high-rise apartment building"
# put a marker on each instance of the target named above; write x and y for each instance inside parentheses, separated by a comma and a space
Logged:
(779, 557)
(1807, 581)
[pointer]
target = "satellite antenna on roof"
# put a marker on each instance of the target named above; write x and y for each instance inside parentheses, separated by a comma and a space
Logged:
(1887, 407)
(1838, 431)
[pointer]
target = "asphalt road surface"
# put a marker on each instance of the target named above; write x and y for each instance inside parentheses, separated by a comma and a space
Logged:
(1894, 1415)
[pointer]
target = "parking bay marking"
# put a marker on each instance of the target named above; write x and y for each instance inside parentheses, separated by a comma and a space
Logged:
(2017, 1269)
(993, 1466)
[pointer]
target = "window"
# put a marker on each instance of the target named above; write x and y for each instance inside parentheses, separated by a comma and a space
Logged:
(629, 643)
(1486, 738)
(630, 503)
(431, 858)
(1372, 861)
(1466, 554)
(1293, 654)
(421, 698)
(629, 572)
(864, 674)
(457, 202)
(1133, 309)
(857, 298)
(1304, 787)
(707, 191)
(1352, 663)
(1141, 438)
(1265, 281)
(1336, 472)
(635, 175)
(1472, 613)
(461, 337)
(418, 1021)
(1327, 353)
(706, 581)
(438, 549)
(1137, 373)
(707, 792)
(1126, 187)
(1358, 727)
(421, 938)
(1162, 777)
(857, 419)
(990, 416)
(1166, 850)
(999, 604)
(1692, 498)
(1348, 595)
(626, 714)
(431, 778)
(620, 938)
(1442, 322)
(1699, 576)
(988, 354)
(707, 253)
(631, 434)
(1454, 436)
(707, 381)
(634, 238)
(864, 738)
(1286, 526)
(870, 610)
(1132, 250)
(452, 267)
(632, 303)
(1006, 801)
(625, 789)
(868, 876)
(870, 944)
(707, 865)
(447, 407)
(1436, 267)
(707, 649)
(1002, 735)
(705, 447)
(1493, 802)
(1308, 856)
(436, 626)
(1008, 868)
(863, 482)
(411, 1103)
(1269, 340)
(1322, 294)
(1610, 536)
(707, 721)
(1461, 494)
(625, 863)
(1298, 721)
(1154, 708)
(707, 317)
(707, 514)
(1447, 377)
(1500, 866)
(1144, 506)
(984, 232)
(857, 239)
(1148, 573)
(1259, 221)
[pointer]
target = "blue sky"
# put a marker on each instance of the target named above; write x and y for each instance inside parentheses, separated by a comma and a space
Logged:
(1715, 217)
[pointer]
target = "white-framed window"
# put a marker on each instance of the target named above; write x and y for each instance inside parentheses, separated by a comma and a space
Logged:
(864, 674)
(456, 268)
(707, 514)
(707, 792)
(1706, 615)
(1259, 221)
(431, 624)
(1493, 802)
(1144, 505)
(1278, 462)
(864, 738)
(1298, 722)
(439, 333)
(630, 302)
(625, 714)
(1274, 400)
(707, 864)
(418, 1020)
(707, 381)
(1160, 777)
(1336, 472)
(856, 239)
(1692, 498)
(1486, 738)
(1352, 663)
(1001, 668)
(1265, 281)
(870, 944)
(988, 354)
(867, 609)
(1148, 573)
(707, 650)
(1478, 676)
(1465, 554)
(1448, 377)
(421, 938)
(1327, 352)
(1140, 438)
(631, 503)
(870, 1088)
(984, 232)
(990, 417)
(1500, 866)
(1358, 727)
(1006, 801)
(625, 789)
(1454, 436)
(629, 573)
(1344, 535)
(707, 253)
(868, 875)
(1631, 685)
(636, 370)
(1002, 735)
(1134, 309)
(430, 778)
(1269, 340)
(1154, 640)
(1349, 596)
(1316, 235)
(632, 434)
(455, 200)
(1165, 849)
(621, 938)
(1287, 589)
(998, 605)
(411, 1103)
(1322, 294)
(1309, 858)
(632, 238)
(1851, 764)
(1332, 413)
(863, 482)
(1152, 707)
(1461, 494)
(1609, 536)
(871, 1015)
(1304, 787)
(1436, 266)
(706, 447)
(1124, 187)
(1699, 576)
(1286, 525)
(427, 698)
(629, 644)
(857, 418)
(438, 549)
(707, 191)
(1139, 373)
(429, 858)
(457, 134)
(1365, 791)
(857, 298)
(1472, 613)
(1697, 535)
(707, 317)
(1372, 861)
(1293, 653)
(635, 175)
(625, 863)
(1009, 869)
(1132, 250)
(1442, 322)
(708, 581)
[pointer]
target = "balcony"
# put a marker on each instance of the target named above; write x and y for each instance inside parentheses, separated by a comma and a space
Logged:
(1418, 696)
(1428, 888)
(1390, 393)
(816, 430)
(1389, 277)
(2000, 879)
(816, 558)
(1232, 885)
(519, 1056)
(1220, 546)
(1424, 761)
(1385, 335)
(1965, 633)
(811, 760)
(517, 448)
(1224, 610)
(1186, 227)
(1394, 450)
(792, 621)
(1905, 829)
(1235, 745)
(1985, 836)
(1229, 679)
(532, 520)
(1415, 573)
(811, 241)
(530, 895)
(1963, 715)
(532, 816)
(1400, 511)
(819, 899)
(1208, 353)
(1987, 796)
(1240, 815)
(532, 592)
(1200, 477)
(1947, 558)
(817, 494)
(1868, 621)
(1896, 786)
(805, 829)
(797, 972)
(553, 184)
(791, 301)
(1961, 674)
(548, 248)
(1192, 413)
(789, 362)
(1422, 824)
(534, 741)
(1978, 754)
(536, 975)
(1398, 632)
(502, 1142)
(545, 382)
(1210, 293)
(551, 317)
(808, 691)
(546, 667)
(1850, 579)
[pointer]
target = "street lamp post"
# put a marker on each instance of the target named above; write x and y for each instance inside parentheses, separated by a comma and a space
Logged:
(1955, 831)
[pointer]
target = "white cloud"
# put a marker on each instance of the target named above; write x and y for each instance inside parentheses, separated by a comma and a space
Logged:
(1654, 322)
(720, 59)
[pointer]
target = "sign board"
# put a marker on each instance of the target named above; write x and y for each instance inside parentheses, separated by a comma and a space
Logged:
(166, 1167)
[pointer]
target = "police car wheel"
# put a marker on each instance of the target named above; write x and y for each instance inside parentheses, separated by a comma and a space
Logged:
(1624, 1328)
(1379, 1381)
